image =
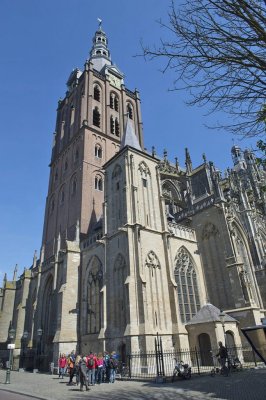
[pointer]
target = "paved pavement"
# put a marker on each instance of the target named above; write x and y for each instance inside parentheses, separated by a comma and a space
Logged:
(245, 385)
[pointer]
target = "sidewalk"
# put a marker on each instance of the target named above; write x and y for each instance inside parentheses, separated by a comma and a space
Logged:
(246, 385)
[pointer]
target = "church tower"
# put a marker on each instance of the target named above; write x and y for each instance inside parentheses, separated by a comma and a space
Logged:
(89, 123)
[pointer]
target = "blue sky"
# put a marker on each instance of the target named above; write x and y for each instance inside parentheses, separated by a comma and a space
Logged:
(40, 43)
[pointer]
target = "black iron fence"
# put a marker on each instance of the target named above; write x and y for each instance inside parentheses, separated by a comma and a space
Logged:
(161, 363)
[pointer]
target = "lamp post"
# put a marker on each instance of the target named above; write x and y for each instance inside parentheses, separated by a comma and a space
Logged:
(24, 337)
(10, 346)
(39, 334)
(37, 353)
(222, 319)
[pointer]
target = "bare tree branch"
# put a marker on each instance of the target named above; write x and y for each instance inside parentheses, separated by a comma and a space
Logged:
(218, 53)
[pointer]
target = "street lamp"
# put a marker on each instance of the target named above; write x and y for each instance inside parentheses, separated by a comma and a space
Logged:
(37, 353)
(24, 337)
(39, 334)
(10, 346)
(222, 319)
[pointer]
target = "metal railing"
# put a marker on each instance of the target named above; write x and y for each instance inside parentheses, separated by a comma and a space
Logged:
(145, 365)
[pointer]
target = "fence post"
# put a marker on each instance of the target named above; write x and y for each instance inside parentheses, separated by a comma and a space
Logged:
(162, 359)
(129, 366)
(197, 359)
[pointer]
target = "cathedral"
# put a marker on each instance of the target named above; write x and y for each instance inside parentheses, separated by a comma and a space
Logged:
(134, 245)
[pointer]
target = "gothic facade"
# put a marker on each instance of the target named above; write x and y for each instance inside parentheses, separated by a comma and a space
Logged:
(134, 245)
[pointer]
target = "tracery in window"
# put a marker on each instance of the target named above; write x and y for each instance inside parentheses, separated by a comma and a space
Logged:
(187, 286)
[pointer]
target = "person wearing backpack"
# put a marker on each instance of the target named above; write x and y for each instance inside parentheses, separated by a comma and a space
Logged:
(113, 367)
(91, 365)
(71, 367)
(106, 366)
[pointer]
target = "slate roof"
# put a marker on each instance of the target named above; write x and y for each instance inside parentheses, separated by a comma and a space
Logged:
(130, 138)
(209, 313)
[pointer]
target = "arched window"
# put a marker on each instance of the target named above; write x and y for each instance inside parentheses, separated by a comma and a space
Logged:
(116, 127)
(96, 93)
(98, 151)
(187, 286)
(96, 117)
(98, 183)
(94, 285)
(112, 100)
(112, 125)
(116, 103)
(129, 110)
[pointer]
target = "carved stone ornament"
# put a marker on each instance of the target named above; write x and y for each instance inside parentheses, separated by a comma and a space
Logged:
(152, 261)
(209, 231)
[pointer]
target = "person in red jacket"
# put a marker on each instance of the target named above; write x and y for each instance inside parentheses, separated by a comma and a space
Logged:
(91, 365)
(62, 364)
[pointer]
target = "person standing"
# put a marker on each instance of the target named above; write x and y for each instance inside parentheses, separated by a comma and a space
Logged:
(222, 356)
(91, 365)
(62, 364)
(71, 367)
(99, 375)
(113, 366)
(83, 374)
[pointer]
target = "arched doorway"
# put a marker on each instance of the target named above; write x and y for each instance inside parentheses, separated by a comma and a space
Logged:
(205, 349)
(230, 344)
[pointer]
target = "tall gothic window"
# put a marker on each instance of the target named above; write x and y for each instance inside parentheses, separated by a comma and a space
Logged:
(96, 117)
(130, 111)
(116, 103)
(96, 93)
(112, 125)
(187, 286)
(121, 296)
(94, 285)
(116, 127)
(112, 100)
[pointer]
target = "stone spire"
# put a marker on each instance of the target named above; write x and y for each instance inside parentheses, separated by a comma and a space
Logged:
(15, 272)
(34, 259)
(129, 137)
(100, 54)
(188, 161)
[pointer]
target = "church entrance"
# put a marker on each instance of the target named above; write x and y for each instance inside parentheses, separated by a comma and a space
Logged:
(205, 349)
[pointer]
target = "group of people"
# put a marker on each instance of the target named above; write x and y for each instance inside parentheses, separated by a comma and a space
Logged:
(88, 370)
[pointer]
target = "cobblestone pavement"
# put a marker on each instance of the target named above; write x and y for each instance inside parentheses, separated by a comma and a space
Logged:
(246, 385)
